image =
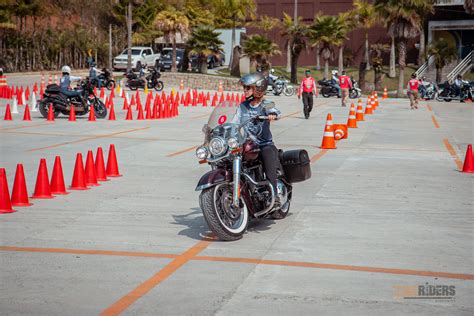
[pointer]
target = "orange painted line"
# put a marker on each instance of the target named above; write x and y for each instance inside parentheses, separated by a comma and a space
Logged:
(87, 138)
(435, 122)
(20, 127)
(318, 155)
(89, 252)
(453, 153)
(429, 108)
(291, 114)
(125, 302)
(181, 151)
(461, 276)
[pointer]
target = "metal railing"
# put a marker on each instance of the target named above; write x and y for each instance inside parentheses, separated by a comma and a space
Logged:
(462, 67)
(423, 68)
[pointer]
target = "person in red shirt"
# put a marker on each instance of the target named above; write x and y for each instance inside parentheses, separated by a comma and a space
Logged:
(345, 83)
(307, 87)
(412, 91)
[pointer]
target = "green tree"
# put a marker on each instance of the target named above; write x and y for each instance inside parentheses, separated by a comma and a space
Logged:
(345, 23)
(265, 23)
(204, 41)
(443, 53)
(172, 22)
(403, 22)
(423, 10)
(377, 62)
(259, 48)
(295, 32)
(325, 32)
(235, 12)
(366, 17)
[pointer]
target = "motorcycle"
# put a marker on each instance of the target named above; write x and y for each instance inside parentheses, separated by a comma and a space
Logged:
(236, 189)
(279, 85)
(135, 82)
(328, 89)
(62, 103)
(106, 80)
(429, 92)
(448, 93)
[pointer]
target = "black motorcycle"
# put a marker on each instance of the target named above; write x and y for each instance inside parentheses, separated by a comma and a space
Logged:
(62, 103)
(447, 92)
(105, 78)
(329, 89)
(237, 189)
(135, 82)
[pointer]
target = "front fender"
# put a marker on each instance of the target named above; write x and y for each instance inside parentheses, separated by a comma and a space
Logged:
(213, 178)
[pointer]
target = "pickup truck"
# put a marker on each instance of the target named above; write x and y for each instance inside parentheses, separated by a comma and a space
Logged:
(141, 56)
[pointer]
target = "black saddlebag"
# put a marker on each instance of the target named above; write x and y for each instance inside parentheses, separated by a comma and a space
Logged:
(296, 165)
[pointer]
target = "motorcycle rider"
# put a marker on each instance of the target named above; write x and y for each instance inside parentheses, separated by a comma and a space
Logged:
(308, 85)
(255, 87)
(335, 82)
(345, 83)
(65, 82)
(422, 87)
(272, 78)
(94, 74)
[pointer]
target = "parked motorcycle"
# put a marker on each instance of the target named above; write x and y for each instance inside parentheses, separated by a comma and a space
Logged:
(429, 92)
(62, 104)
(448, 93)
(135, 82)
(236, 189)
(106, 80)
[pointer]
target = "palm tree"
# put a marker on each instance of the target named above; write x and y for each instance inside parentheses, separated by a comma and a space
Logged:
(424, 9)
(203, 42)
(345, 23)
(296, 40)
(366, 16)
(265, 23)
(377, 62)
(236, 11)
(325, 32)
(171, 22)
(259, 48)
(443, 53)
(404, 23)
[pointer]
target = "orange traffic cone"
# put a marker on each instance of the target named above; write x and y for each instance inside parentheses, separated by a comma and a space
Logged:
(112, 113)
(50, 114)
(220, 87)
(79, 176)
(26, 115)
(91, 114)
(340, 131)
(8, 114)
(181, 85)
(328, 136)
(100, 166)
(376, 100)
(140, 112)
(72, 114)
(385, 94)
(20, 193)
(112, 164)
(360, 111)
(468, 160)
(368, 107)
(5, 202)
(129, 116)
(42, 188)
(57, 178)
(352, 121)
(91, 178)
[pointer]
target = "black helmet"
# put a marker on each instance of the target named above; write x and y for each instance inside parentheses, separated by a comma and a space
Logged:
(256, 80)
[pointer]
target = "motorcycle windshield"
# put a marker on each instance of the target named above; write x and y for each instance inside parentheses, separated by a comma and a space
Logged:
(222, 115)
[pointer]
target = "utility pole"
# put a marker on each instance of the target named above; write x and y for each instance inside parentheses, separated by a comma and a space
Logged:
(110, 47)
(129, 38)
(288, 50)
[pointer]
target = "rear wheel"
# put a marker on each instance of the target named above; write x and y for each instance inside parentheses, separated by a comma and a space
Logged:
(110, 85)
(100, 109)
(159, 85)
(289, 91)
(227, 222)
(43, 107)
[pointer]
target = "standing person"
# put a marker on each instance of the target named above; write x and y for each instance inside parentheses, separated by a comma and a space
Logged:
(412, 91)
(308, 86)
(94, 74)
(345, 83)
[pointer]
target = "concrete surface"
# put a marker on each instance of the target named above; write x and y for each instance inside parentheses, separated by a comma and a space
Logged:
(387, 208)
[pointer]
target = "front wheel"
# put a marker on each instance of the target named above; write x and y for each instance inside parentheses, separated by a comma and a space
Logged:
(159, 85)
(353, 94)
(110, 85)
(100, 109)
(227, 222)
(289, 91)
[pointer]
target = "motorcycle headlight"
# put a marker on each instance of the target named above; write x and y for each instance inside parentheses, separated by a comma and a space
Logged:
(201, 152)
(217, 146)
(232, 143)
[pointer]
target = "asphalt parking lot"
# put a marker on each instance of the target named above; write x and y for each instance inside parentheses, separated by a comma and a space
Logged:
(386, 212)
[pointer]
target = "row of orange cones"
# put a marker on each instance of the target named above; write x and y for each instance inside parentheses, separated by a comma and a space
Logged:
(44, 189)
